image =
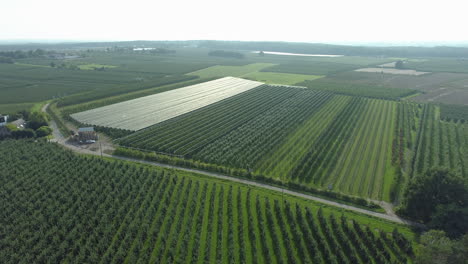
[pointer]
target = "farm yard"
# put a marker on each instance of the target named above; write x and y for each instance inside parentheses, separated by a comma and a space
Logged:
(147, 111)
(119, 212)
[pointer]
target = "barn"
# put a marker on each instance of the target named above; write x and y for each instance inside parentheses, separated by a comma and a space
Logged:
(87, 134)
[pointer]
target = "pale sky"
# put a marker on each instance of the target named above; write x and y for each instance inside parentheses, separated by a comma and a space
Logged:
(286, 20)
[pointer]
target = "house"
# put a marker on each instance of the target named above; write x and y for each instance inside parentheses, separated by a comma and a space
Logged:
(3, 120)
(87, 135)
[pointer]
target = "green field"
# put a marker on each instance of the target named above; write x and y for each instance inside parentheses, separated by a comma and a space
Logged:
(311, 67)
(92, 210)
(279, 78)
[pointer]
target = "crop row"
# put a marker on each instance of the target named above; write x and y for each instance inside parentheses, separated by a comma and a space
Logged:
(67, 208)
(244, 146)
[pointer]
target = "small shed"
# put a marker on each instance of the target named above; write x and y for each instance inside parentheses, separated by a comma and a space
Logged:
(87, 134)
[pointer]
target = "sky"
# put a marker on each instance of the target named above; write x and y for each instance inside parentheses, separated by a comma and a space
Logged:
(329, 21)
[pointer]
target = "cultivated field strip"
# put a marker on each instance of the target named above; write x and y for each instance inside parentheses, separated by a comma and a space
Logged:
(284, 158)
(367, 156)
(88, 210)
(244, 146)
(143, 112)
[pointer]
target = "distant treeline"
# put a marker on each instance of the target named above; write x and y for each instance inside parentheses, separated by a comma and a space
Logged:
(294, 47)
(158, 51)
(10, 56)
(311, 48)
(228, 54)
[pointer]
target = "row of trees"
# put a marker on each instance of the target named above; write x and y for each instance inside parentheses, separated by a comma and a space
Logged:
(227, 54)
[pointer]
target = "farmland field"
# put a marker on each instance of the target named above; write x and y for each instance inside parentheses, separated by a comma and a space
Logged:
(25, 84)
(349, 87)
(188, 134)
(236, 71)
(311, 67)
(309, 137)
(86, 210)
(195, 166)
(149, 110)
(444, 87)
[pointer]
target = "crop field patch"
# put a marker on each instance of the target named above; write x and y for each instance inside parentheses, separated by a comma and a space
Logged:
(280, 78)
(146, 111)
(311, 67)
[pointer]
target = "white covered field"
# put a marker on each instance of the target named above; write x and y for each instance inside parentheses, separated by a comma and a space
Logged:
(146, 111)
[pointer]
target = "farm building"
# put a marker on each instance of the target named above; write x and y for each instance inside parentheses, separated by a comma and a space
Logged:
(87, 134)
(3, 120)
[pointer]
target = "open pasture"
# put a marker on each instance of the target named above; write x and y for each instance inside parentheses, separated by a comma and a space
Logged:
(146, 111)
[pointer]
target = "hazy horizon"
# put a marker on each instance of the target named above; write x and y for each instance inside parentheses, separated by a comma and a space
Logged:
(335, 22)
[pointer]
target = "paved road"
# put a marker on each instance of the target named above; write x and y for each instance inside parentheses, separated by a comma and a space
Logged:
(390, 216)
